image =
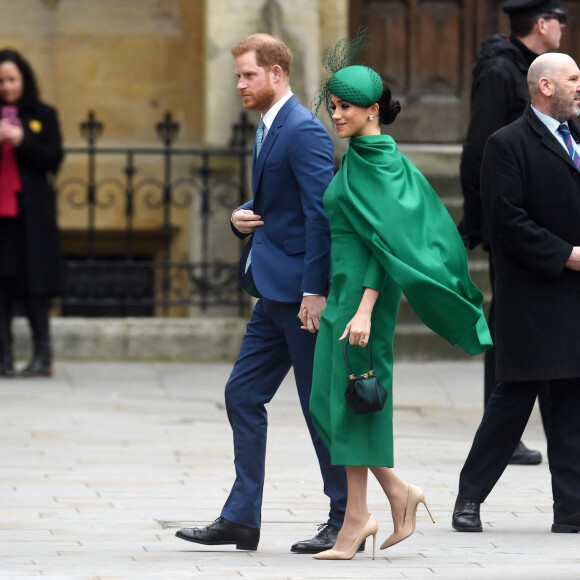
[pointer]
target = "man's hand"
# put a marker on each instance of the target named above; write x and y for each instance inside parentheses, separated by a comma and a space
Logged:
(310, 311)
(245, 221)
(574, 260)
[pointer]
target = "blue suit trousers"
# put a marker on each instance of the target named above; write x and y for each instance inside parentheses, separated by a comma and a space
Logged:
(272, 344)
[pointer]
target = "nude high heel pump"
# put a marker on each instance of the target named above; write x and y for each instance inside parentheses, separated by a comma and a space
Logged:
(369, 529)
(414, 497)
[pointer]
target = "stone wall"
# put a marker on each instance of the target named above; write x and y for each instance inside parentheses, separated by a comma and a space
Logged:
(128, 60)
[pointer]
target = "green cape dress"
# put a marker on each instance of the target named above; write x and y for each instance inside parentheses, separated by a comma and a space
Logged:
(390, 232)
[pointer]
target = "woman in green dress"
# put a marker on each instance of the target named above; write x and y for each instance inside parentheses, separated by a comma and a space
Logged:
(390, 234)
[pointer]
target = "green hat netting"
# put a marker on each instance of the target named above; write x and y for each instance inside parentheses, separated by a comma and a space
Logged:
(360, 84)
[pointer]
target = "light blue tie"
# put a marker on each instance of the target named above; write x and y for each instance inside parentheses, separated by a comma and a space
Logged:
(259, 137)
(565, 132)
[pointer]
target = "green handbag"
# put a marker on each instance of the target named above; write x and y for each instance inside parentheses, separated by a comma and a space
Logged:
(364, 393)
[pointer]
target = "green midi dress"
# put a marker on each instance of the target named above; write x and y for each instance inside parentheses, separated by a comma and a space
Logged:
(390, 232)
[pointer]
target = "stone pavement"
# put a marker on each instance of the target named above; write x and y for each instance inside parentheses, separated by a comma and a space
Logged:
(100, 464)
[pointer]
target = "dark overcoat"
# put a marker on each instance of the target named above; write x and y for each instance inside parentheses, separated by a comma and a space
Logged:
(39, 157)
(499, 95)
(531, 199)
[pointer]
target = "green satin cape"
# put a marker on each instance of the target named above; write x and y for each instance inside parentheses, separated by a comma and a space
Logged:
(414, 239)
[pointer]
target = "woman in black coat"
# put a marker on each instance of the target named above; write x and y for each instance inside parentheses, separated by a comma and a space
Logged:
(31, 262)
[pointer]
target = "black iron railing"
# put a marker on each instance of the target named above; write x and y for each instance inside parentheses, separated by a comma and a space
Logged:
(123, 255)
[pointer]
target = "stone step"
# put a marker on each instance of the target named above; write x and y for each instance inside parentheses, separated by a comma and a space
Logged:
(417, 342)
(440, 165)
(192, 339)
(446, 186)
(138, 339)
(479, 271)
(434, 159)
(454, 206)
(407, 314)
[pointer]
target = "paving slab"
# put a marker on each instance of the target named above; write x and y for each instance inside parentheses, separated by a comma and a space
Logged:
(100, 465)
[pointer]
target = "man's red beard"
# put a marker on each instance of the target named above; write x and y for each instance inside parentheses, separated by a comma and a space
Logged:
(259, 101)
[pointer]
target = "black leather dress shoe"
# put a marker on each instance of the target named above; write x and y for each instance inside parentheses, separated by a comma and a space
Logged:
(524, 456)
(222, 532)
(323, 540)
(466, 515)
(567, 524)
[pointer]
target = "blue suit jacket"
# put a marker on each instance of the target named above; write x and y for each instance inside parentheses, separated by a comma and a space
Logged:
(291, 251)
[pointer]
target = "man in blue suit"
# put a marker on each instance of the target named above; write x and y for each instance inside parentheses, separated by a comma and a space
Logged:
(290, 266)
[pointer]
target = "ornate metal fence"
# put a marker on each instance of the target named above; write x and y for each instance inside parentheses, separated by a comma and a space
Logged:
(123, 228)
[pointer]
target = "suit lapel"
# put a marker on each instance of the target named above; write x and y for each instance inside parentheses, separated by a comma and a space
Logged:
(270, 141)
(548, 139)
(552, 143)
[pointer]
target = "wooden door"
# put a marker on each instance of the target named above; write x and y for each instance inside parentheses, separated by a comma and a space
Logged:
(571, 35)
(425, 50)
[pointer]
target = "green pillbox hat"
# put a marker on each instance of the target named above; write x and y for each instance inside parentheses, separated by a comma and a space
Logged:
(357, 84)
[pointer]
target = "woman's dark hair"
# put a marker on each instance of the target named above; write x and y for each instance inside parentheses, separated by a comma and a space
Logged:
(30, 92)
(388, 109)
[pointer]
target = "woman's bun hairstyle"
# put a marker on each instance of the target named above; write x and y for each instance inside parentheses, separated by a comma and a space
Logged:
(388, 108)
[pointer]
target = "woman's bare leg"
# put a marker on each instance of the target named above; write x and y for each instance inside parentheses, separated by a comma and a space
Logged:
(396, 491)
(357, 513)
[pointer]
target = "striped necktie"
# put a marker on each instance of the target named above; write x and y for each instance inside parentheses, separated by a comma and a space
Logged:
(565, 132)
(259, 137)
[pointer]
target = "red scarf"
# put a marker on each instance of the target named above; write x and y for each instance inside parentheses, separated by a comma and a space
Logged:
(9, 182)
